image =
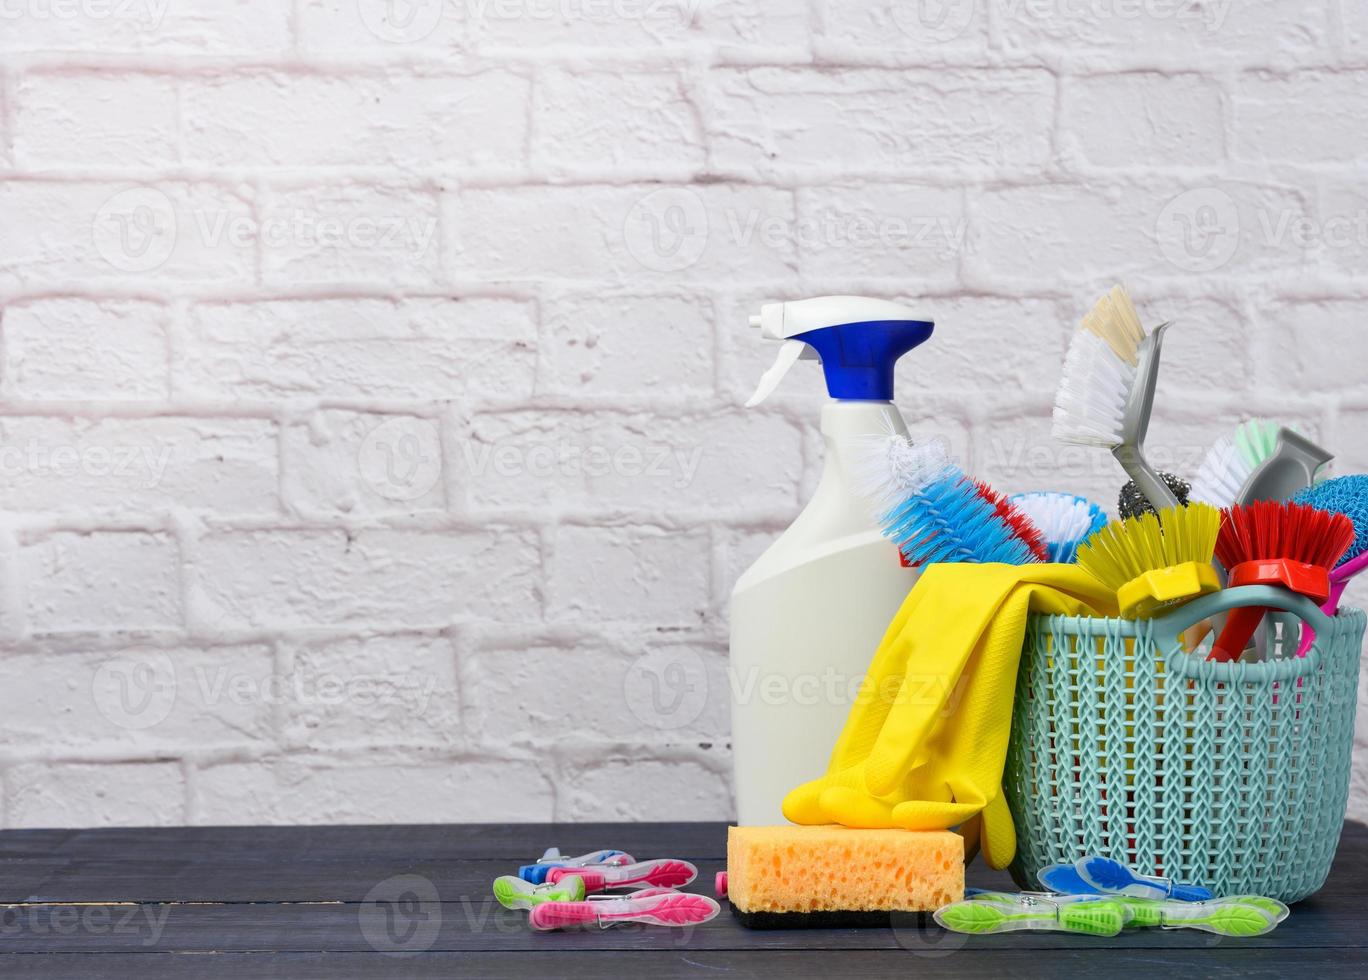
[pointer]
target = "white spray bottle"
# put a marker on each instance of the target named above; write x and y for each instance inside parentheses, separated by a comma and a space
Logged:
(807, 616)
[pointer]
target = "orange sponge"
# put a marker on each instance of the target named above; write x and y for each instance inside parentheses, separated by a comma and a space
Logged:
(830, 876)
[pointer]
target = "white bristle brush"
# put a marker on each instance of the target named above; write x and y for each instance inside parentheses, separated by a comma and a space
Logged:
(1107, 389)
(1064, 519)
(1232, 460)
(1099, 373)
(886, 468)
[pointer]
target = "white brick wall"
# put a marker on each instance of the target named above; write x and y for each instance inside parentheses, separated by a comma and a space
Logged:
(371, 371)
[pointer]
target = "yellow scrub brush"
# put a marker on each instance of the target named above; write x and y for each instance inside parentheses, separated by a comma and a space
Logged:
(1156, 560)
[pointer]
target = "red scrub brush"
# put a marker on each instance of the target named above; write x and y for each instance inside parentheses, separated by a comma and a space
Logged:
(1276, 543)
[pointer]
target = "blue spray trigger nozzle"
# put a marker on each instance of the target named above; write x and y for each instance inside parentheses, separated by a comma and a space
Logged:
(857, 339)
(858, 359)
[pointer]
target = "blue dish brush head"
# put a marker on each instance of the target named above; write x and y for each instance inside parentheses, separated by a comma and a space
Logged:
(1347, 495)
(949, 520)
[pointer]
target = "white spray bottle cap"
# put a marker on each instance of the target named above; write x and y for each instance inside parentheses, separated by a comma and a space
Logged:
(857, 339)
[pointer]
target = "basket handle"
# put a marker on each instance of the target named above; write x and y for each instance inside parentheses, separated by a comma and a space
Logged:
(1170, 627)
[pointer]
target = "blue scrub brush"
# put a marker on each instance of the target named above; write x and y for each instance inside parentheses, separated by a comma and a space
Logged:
(1065, 520)
(935, 513)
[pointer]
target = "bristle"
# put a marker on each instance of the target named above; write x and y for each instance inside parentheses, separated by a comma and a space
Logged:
(1090, 405)
(1277, 529)
(1064, 520)
(1222, 474)
(1113, 319)
(1126, 314)
(888, 467)
(948, 521)
(1099, 373)
(1124, 550)
(1016, 519)
(1256, 441)
(926, 504)
(1347, 495)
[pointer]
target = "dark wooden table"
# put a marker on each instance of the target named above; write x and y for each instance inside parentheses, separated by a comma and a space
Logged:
(414, 901)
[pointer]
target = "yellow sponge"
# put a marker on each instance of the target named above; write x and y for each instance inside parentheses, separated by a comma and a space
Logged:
(829, 875)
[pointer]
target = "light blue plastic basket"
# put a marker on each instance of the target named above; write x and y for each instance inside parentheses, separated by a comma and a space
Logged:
(1234, 776)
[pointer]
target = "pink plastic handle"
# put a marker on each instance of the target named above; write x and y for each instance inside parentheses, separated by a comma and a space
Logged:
(679, 909)
(663, 872)
(559, 915)
(593, 878)
(1343, 573)
(1339, 581)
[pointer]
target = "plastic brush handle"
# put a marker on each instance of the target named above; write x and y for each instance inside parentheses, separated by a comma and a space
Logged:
(1303, 579)
(1135, 426)
(1147, 480)
(1341, 574)
(1291, 468)
(1339, 581)
(1239, 627)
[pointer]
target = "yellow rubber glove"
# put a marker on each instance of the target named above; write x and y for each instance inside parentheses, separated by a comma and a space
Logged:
(926, 740)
